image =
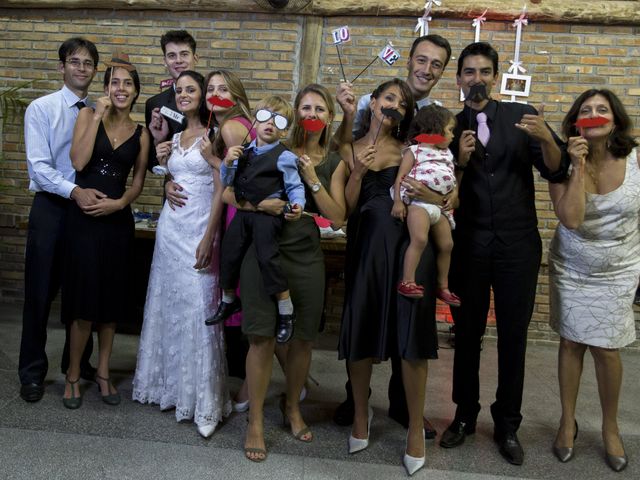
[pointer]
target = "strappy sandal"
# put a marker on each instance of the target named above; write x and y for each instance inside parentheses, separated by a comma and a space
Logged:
(110, 398)
(302, 432)
(410, 290)
(73, 402)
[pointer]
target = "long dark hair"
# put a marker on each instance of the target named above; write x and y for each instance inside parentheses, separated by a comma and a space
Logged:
(134, 77)
(620, 141)
(401, 132)
(203, 113)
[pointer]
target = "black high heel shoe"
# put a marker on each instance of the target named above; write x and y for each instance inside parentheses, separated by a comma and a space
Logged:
(564, 454)
(110, 398)
(303, 431)
(73, 402)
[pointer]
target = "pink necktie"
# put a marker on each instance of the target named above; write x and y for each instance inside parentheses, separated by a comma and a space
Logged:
(483, 128)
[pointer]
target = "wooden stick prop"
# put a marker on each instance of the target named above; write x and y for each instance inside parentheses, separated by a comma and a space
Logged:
(217, 101)
(364, 69)
(341, 35)
(387, 112)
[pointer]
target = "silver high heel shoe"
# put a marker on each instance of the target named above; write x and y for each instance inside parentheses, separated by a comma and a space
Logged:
(564, 454)
(358, 444)
(616, 463)
(412, 464)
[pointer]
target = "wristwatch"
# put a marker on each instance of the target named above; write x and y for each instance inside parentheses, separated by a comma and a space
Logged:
(315, 187)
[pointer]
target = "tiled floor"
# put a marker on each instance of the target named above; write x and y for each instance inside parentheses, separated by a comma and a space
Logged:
(46, 441)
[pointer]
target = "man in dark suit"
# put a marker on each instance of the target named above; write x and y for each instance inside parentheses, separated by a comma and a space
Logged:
(496, 244)
(161, 115)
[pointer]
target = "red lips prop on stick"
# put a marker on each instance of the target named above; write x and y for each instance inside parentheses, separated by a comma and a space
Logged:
(217, 101)
(310, 125)
(592, 122)
(583, 123)
(430, 139)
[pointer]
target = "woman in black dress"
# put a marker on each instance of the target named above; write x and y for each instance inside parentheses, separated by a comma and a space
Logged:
(376, 325)
(107, 143)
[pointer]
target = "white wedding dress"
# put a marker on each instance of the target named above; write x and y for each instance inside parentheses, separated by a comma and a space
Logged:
(181, 361)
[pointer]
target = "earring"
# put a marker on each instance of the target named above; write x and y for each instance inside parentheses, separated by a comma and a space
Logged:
(398, 131)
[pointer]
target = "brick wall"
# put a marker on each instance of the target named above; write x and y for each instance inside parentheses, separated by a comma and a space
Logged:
(264, 50)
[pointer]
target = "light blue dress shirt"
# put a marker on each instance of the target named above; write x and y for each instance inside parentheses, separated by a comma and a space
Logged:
(287, 164)
(48, 131)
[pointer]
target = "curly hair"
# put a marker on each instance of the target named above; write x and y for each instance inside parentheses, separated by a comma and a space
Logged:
(430, 119)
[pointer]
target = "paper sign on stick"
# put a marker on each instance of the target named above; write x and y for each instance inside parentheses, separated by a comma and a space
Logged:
(389, 55)
(341, 35)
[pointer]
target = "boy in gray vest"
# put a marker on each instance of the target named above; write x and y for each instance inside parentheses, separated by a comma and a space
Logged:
(263, 169)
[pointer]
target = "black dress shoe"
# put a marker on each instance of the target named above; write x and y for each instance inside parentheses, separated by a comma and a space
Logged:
(224, 311)
(343, 415)
(403, 419)
(284, 327)
(510, 447)
(32, 392)
(455, 434)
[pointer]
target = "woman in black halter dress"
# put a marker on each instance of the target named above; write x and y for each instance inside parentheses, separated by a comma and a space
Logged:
(106, 145)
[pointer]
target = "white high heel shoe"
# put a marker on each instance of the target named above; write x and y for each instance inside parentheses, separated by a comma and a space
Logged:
(241, 406)
(206, 430)
(412, 464)
(358, 444)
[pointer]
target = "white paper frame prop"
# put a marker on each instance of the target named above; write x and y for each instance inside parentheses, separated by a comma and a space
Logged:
(515, 85)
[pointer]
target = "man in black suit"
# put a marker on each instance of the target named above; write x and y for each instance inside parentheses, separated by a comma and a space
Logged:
(160, 112)
(496, 245)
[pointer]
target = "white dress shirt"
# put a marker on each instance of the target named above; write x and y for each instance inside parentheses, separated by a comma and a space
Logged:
(48, 131)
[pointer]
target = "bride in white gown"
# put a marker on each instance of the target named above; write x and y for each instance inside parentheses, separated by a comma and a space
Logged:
(181, 361)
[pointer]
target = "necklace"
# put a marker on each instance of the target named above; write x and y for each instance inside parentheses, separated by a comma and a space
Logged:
(593, 173)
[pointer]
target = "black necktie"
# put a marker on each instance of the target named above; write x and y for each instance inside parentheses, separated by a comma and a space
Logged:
(80, 104)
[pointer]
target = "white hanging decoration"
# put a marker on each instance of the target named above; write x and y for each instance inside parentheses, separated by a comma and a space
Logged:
(477, 23)
(516, 65)
(423, 22)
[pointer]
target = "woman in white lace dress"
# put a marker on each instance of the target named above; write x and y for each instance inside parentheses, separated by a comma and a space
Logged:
(594, 261)
(181, 362)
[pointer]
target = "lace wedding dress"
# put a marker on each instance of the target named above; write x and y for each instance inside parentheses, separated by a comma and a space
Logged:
(181, 361)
